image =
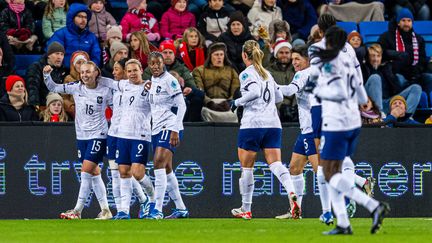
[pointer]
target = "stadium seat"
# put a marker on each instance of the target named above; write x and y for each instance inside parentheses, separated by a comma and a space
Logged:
(22, 62)
(423, 103)
(371, 31)
(348, 26)
(424, 28)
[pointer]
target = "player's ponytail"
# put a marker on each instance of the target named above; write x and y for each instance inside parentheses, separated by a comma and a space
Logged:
(335, 39)
(254, 54)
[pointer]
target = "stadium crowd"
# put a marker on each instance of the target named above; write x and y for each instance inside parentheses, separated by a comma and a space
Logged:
(201, 42)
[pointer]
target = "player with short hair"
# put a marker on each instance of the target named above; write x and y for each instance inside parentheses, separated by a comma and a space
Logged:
(341, 90)
(260, 129)
(91, 128)
(167, 109)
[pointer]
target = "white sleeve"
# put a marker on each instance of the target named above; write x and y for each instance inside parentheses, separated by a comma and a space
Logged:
(173, 87)
(110, 83)
(278, 94)
(251, 92)
(69, 88)
(331, 90)
(181, 108)
(290, 89)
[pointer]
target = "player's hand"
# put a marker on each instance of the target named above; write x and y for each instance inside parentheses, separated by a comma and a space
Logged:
(47, 70)
(147, 85)
(233, 107)
(174, 139)
(309, 87)
(397, 112)
(187, 91)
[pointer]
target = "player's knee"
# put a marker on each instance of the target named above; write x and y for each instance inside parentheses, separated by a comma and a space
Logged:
(295, 170)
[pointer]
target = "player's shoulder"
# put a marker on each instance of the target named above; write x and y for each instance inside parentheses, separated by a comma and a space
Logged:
(247, 74)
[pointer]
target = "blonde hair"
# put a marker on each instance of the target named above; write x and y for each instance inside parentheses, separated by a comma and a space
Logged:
(46, 114)
(49, 9)
(95, 66)
(144, 46)
(376, 48)
(253, 52)
(133, 61)
(191, 30)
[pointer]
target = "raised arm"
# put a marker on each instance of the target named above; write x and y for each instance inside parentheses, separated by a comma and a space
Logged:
(110, 83)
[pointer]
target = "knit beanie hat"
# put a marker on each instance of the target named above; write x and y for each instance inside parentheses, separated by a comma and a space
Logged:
(55, 47)
(352, 34)
(216, 46)
(404, 13)
(51, 97)
(279, 44)
(114, 31)
(79, 55)
(11, 80)
(116, 46)
(398, 97)
(133, 3)
(167, 44)
(173, 2)
(237, 16)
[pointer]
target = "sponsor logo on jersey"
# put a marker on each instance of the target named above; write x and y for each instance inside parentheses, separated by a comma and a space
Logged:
(327, 68)
(297, 76)
(99, 99)
(244, 76)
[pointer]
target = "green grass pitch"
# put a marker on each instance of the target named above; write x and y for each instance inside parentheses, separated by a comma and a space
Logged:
(209, 230)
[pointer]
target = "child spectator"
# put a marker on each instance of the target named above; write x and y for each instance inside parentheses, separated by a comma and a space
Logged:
(55, 111)
(140, 47)
(114, 33)
(54, 17)
(176, 20)
(13, 105)
(138, 19)
(355, 40)
(192, 48)
(370, 113)
(213, 21)
(100, 19)
(17, 22)
(262, 13)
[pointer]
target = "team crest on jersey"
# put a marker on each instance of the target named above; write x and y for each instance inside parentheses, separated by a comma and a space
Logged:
(327, 68)
(99, 100)
(244, 76)
(297, 76)
(174, 84)
(158, 89)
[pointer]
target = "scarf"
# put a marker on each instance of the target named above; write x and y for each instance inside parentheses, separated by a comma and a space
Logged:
(199, 56)
(17, 100)
(400, 46)
(369, 114)
(16, 7)
(145, 19)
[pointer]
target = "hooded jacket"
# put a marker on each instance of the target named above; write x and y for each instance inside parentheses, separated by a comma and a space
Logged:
(10, 114)
(174, 23)
(74, 39)
(99, 21)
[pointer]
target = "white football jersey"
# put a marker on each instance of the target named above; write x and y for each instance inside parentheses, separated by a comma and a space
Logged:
(90, 105)
(163, 106)
(260, 112)
(303, 99)
(340, 90)
(133, 103)
(115, 119)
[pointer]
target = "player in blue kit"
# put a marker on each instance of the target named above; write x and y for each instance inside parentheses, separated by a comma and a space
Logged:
(260, 129)
(91, 128)
(341, 91)
(167, 110)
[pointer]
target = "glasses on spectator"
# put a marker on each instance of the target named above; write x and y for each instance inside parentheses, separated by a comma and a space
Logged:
(81, 16)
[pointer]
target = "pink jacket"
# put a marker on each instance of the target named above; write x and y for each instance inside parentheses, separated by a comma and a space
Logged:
(174, 23)
(132, 22)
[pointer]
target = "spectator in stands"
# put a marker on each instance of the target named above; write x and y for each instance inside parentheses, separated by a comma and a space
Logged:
(398, 113)
(219, 81)
(277, 29)
(37, 90)
(138, 18)
(17, 22)
(283, 72)
(194, 96)
(13, 105)
(55, 111)
(406, 50)
(192, 48)
(381, 83)
(158, 7)
(114, 33)
(234, 38)
(176, 20)
(300, 15)
(355, 10)
(196, 6)
(76, 35)
(419, 8)
(213, 21)
(242, 5)
(54, 17)
(355, 40)
(118, 51)
(37, 7)
(77, 59)
(370, 113)
(7, 62)
(262, 13)
(100, 18)
(140, 47)
(314, 35)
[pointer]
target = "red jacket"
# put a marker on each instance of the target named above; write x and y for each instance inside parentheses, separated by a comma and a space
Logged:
(174, 23)
(132, 22)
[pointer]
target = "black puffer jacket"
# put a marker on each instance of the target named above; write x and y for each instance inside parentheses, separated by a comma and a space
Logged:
(234, 46)
(8, 62)
(9, 113)
(35, 85)
(8, 20)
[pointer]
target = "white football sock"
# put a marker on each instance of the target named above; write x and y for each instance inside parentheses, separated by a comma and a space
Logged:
(126, 193)
(247, 186)
(359, 181)
(282, 173)
(348, 169)
(115, 181)
(138, 191)
(323, 190)
(299, 183)
(84, 191)
(160, 187)
(100, 191)
(339, 209)
(174, 191)
(147, 186)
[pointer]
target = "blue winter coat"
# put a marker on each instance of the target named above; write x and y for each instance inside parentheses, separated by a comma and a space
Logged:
(74, 39)
(300, 15)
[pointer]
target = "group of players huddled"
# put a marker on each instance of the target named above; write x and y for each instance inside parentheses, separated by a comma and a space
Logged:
(329, 89)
